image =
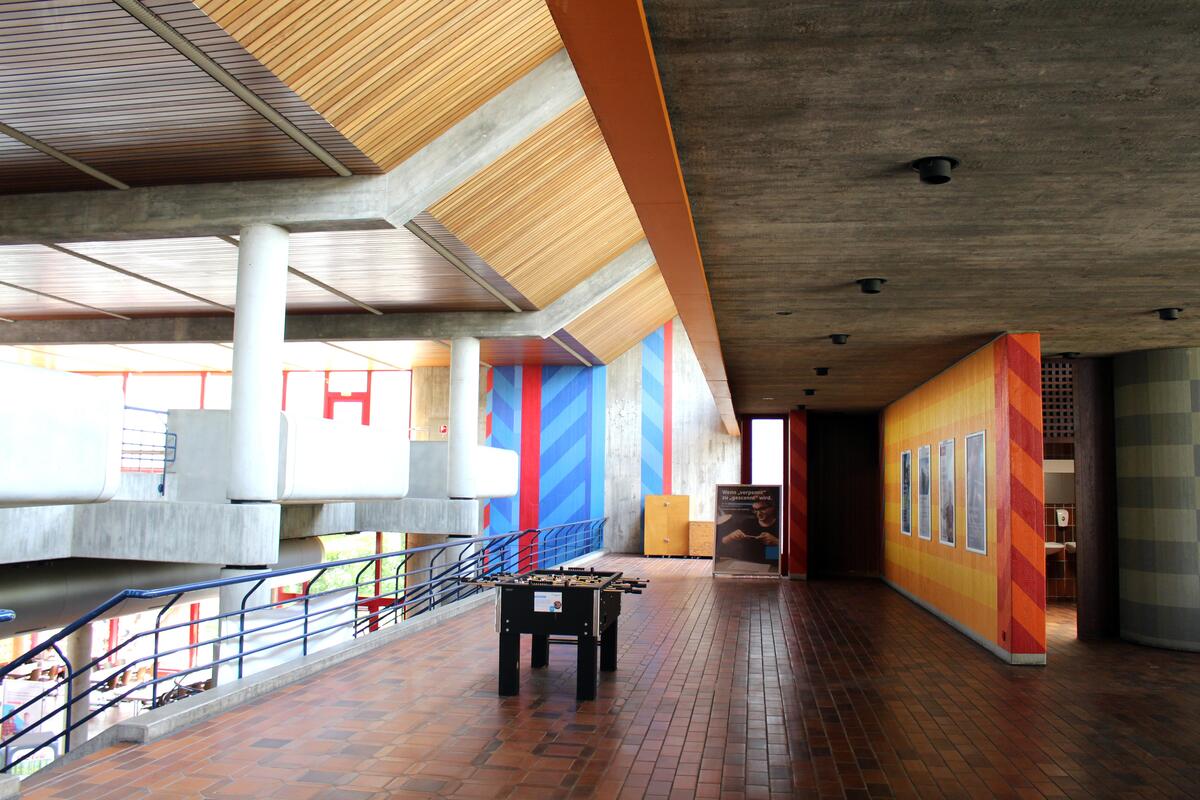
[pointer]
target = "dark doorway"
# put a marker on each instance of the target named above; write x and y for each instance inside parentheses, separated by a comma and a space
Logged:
(844, 515)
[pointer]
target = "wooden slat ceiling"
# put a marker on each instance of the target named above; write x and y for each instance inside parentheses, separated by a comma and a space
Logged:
(501, 352)
(625, 317)
(85, 77)
(23, 166)
(392, 76)
(390, 269)
(550, 212)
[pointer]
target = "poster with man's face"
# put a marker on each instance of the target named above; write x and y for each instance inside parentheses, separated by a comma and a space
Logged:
(749, 532)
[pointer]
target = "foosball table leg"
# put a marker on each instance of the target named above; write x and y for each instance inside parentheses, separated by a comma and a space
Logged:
(608, 649)
(510, 664)
(587, 677)
(540, 654)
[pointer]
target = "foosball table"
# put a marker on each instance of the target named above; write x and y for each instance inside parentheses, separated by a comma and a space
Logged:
(550, 603)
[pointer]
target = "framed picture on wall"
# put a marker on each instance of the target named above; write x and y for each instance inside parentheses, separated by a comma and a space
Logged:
(924, 494)
(977, 493)
(946, 492)
(906, 492)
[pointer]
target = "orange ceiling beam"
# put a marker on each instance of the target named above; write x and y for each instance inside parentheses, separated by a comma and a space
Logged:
(609, 44)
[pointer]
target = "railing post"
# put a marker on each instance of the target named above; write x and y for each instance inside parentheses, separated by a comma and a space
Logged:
(158, 627)
(307, 590)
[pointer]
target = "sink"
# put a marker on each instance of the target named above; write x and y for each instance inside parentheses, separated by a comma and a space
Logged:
(1054, 548)
(1070, 547)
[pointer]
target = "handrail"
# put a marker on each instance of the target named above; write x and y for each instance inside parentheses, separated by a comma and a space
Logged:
(6, 615)
(410, 590)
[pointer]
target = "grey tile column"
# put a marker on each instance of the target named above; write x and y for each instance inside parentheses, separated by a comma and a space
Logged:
(1157, 409)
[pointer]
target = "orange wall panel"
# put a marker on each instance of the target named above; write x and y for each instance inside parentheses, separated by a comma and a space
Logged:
(998, 596)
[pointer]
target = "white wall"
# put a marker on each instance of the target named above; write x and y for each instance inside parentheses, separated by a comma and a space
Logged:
(60, 437)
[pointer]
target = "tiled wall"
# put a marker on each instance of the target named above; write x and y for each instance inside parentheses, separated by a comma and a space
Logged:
(1060, 568)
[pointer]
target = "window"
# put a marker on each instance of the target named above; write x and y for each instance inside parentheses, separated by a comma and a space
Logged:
(977, 493)
(924, 490)
(906, 492)
(305, 394)
(163, 392)
(391, 393)
(766, 452)
(946, 492)
(218, 390)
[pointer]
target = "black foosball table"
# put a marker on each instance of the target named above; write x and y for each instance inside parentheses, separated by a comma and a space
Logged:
(553, 603)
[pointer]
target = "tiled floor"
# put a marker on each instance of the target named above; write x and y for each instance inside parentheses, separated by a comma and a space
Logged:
(735, 689)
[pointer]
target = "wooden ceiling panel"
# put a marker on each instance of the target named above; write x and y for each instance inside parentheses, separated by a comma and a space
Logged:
(87, 78)
(49, 271)
(625, 317)
(389, 269)
(16, 304)
(22, 165)
(402, 354)
(502, 352)
(204, 266)
(392, 76)
(550, 212)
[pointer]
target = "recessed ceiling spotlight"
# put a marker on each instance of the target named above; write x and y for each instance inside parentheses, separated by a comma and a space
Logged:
(839, 338)
(809, 392)
(822, 371)
(871, 285)
(784, 313)
(1069, 354)
(1168, 314)
(935, 169)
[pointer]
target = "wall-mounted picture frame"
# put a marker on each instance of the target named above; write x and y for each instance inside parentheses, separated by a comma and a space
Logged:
(924, 493)
(946, 521)
(976, 447)
(906, 492)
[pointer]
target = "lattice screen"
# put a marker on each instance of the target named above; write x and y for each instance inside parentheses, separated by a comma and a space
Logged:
(1058, 401)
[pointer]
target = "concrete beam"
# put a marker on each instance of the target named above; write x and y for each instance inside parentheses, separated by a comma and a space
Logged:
(350, 327)
(359, 202)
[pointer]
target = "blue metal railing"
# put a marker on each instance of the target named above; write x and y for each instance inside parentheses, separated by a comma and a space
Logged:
(6, 615)
(418, 583)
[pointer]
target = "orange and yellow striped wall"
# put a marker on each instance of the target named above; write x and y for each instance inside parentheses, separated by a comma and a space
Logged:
(997, 598)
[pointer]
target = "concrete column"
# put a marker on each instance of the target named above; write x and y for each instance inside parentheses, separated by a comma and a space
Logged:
(1157, 431)
(230, 600)
(257, 364)
(79, 652)
(464, 416)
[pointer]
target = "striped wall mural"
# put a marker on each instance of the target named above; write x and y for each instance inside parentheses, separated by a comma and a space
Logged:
(656, 412)
(997, 596)
(553, 417)
(797, 495)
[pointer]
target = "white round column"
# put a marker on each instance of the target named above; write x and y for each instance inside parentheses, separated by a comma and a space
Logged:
(464, 416)
(257, 364)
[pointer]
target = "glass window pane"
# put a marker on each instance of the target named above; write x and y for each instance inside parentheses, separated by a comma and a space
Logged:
(163, 392)
(306, 394)
(347, 382)
(766, 452)
(390, 397)
(218, 388)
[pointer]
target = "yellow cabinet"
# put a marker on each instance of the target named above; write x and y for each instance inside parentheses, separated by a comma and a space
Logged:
(666, 528)
(701, 537)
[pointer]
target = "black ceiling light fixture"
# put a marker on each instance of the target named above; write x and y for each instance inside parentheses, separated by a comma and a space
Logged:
(783, 313)
(822, 371)
(839, 338)
(871, 285)
(1169, 314)
(809, 392)
(1069, 354)
(935, 169)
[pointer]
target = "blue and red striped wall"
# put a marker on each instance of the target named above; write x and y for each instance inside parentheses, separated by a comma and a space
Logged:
(554, 418)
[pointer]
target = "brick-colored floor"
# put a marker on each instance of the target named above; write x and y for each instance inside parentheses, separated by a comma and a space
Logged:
(735, 689)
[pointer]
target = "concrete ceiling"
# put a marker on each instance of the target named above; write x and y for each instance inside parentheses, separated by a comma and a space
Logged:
(1075, 212)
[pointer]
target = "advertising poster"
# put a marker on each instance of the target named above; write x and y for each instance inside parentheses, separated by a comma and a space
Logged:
(924, 490)
(906, 492)
(946, 492)
(748, 530)
(976, 493)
